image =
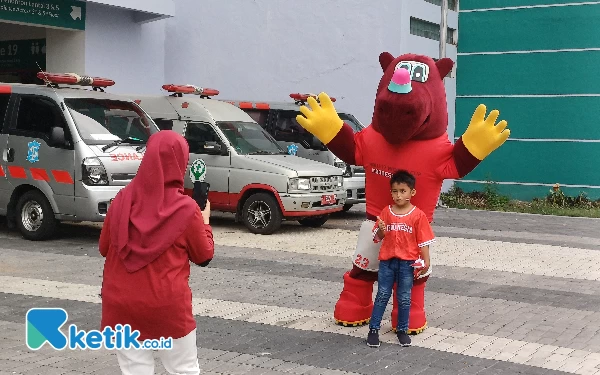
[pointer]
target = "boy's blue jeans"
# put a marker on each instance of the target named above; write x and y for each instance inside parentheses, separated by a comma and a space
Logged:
(393, 271)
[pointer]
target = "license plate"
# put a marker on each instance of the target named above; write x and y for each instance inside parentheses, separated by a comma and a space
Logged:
(327, 200)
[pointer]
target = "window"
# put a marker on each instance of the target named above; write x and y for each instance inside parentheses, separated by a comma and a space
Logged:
(429, 30)
(249, 138)
(3, 105)
(451, 3)
(198, 134)
(164, 124)
(101, 121)
(260, 116)
(287, 129)
(37, 116)
(352, 121)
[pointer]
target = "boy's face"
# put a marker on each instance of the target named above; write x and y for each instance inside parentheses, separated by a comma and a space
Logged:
(402, 193)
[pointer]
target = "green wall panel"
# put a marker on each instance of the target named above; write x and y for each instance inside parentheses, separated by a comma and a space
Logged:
(529, 73)
(571, 27)
(527, 193)
(568, 163)
(571, 117)
(486, 4)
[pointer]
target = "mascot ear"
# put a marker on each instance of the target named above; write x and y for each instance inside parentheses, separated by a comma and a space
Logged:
(444, 66)
(385, 59)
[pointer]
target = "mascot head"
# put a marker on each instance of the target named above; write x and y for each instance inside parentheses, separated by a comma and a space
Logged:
(411, 98)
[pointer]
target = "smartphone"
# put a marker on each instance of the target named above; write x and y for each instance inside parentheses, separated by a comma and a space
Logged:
(200, 193)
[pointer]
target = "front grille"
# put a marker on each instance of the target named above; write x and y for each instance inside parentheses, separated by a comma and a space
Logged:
(323, 184)
(360, 193)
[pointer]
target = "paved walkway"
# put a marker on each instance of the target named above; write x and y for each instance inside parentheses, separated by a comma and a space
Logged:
(509, 294)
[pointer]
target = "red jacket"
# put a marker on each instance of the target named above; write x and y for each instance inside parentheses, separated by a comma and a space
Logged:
(157, 299)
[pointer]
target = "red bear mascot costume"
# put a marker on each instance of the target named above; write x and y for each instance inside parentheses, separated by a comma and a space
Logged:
(408, 131)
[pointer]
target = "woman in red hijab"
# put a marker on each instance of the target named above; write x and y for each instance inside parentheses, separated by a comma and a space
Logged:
(150, 233)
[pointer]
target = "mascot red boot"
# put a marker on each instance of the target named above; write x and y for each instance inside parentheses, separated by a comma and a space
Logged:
(408, 131)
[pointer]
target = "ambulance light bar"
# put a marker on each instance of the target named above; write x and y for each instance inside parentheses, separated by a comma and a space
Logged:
(191, 89)
(74, 79)
(302, 98)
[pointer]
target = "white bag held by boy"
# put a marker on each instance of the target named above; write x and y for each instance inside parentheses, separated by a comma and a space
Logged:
(366, 255)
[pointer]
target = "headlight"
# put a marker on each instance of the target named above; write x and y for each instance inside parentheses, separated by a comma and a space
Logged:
(296, 184)
(339, 181)
(93, 172)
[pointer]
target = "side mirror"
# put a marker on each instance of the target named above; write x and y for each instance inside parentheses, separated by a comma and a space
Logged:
(213, 148)
(57, 137)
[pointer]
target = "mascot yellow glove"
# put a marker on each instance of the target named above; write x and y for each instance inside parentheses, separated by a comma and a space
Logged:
(322, 121)
(482, 136)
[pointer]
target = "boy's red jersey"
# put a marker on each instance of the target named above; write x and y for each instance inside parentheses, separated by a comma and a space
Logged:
(404, 234)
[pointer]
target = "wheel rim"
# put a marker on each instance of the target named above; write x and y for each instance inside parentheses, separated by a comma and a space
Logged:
(32, 216)
(259, 214)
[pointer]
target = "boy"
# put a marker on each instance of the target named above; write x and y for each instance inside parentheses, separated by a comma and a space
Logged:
(406, 235)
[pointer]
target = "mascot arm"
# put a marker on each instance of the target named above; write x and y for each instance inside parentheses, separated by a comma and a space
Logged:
(343, 145)
(322, 121)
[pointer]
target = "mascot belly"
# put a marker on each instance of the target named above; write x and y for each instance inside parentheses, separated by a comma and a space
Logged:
(408, 131)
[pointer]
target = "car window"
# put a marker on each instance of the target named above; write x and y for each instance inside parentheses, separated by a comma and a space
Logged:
(287, 129)
(4, 98)
(197, 134)
(37, 116)
(352, 121)
(260, 116)
(101, 121)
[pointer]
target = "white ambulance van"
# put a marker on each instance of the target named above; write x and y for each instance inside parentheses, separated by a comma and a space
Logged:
(249, 173)
(279, 120)
(66, 151)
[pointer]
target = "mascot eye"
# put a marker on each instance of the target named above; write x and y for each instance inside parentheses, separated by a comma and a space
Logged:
(404, 65)
(420, 73)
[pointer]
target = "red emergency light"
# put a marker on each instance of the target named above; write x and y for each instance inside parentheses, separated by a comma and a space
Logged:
(191, 89)
(74, 79)
(302, 98)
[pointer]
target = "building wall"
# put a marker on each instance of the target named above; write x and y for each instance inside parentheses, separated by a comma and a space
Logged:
(261, 50)
(130, 53)
(535, 61)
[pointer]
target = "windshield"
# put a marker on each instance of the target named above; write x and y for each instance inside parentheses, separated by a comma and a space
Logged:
(249, 138)
(352, 121)
(101, 121)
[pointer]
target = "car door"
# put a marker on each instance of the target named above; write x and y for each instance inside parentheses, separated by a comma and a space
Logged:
(32, 159)
(201, 138)
(5, 186)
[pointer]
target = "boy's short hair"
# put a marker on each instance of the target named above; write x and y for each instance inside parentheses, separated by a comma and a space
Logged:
(403, 176)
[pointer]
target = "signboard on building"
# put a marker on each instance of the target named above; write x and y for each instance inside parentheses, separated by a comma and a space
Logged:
(68, 14)
(22, 55)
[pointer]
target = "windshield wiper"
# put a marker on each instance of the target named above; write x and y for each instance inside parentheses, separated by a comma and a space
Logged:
(130, 140)
(260, 152)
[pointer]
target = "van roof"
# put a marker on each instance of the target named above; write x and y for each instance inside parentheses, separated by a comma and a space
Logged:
(63, 91)
(189, 108)
(290, 105)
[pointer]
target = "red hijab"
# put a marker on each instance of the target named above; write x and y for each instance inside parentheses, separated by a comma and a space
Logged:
(150, 213)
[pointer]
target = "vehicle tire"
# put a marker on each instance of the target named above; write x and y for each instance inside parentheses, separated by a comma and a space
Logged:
(261, 214)
(35, 218)
(347, 207)
(314, 222)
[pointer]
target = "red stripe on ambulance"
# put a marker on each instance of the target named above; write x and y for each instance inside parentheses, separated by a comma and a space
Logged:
(62, 177)
(17, 172)
(39, 174)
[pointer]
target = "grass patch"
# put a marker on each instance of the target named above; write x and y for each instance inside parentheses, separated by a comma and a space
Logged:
(555, 203)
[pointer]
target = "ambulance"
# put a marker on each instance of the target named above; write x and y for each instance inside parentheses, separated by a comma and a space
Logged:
(279, 120)
(248, 172)
(67, 148)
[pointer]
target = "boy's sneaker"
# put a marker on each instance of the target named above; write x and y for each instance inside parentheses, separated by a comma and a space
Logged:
(404, 339)
(373, 338)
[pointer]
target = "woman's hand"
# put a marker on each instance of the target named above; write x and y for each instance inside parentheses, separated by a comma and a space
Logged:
(206, 213)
